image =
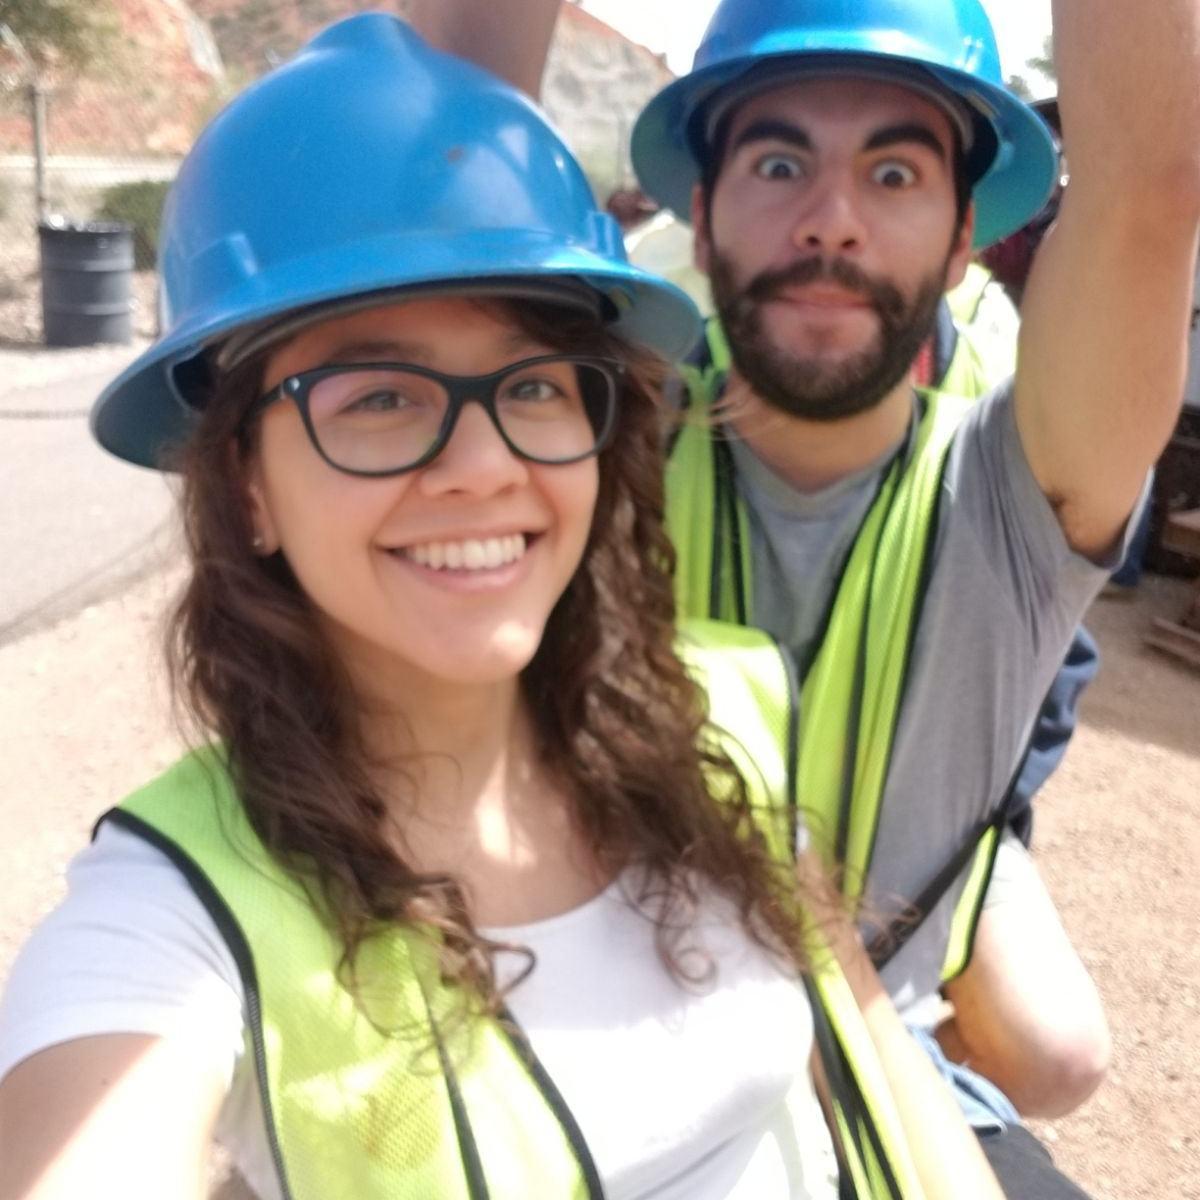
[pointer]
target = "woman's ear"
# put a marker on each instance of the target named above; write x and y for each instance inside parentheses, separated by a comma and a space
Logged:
(264, 539)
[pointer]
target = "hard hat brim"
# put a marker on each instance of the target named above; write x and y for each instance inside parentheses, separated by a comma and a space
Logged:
(1011, 192)
(142, 415)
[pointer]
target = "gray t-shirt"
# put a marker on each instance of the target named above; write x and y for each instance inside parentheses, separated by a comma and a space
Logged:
(1004, 597)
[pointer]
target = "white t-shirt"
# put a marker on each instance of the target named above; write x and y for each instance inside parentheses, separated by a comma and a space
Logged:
(682, 1093)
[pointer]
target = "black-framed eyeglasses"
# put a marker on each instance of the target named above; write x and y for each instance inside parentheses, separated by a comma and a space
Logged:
(380, 419)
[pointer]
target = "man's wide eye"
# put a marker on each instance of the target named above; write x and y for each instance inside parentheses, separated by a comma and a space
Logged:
(892, 174)
(779, 166)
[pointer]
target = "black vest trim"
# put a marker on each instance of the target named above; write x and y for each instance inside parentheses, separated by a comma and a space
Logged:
(468, 1148)
(554, 1098)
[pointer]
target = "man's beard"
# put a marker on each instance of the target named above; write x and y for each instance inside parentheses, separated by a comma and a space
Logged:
(809, 387)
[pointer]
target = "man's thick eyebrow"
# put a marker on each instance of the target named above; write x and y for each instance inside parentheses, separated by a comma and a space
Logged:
(768, 130)
(911, 131)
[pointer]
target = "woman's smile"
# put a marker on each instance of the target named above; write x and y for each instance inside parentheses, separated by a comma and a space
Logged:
(485, 553)
(480, 564)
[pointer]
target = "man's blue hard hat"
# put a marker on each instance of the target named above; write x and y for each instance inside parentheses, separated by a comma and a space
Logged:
(948, 44)
(369, 164)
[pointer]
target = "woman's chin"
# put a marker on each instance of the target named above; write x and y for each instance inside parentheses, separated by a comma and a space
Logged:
(465, 661)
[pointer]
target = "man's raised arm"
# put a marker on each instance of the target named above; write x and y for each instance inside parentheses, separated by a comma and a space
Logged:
(1104, 337)
(510, 38)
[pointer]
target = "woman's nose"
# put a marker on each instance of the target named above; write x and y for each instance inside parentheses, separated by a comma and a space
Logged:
(476, 459)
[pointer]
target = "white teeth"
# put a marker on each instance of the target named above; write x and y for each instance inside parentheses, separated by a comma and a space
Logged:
(493, 552)
(473, 554)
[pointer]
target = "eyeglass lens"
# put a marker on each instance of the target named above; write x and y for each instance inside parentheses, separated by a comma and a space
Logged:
(385, 418)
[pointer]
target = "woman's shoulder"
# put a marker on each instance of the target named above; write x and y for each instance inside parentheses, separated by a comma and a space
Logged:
(131, 949)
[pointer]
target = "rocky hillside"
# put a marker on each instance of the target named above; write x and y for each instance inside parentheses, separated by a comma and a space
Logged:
(253, 34)
(175, 62)
(146, 95)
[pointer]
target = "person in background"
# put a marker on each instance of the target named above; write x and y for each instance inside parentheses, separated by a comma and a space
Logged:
(925, 562)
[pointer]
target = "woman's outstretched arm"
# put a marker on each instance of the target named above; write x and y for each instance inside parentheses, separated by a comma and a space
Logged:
(126, 1115)
(945, 1150)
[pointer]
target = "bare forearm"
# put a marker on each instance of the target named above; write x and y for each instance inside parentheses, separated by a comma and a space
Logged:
(75, 1119)
(510, 38)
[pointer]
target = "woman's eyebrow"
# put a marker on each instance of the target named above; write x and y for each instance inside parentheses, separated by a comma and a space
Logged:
(910, 131)
(773, 130)
(380, 351)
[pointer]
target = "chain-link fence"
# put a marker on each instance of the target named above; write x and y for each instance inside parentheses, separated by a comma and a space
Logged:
(103, 139)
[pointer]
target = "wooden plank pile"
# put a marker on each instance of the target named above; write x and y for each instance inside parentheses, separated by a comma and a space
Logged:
(1181, 639)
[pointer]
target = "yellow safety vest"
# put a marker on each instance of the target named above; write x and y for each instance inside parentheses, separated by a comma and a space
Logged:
(967, 375)
(965, 299)
(851, 696)
(388, 1093)
(986, 353)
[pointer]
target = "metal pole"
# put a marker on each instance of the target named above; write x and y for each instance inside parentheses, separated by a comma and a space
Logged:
(37, 106)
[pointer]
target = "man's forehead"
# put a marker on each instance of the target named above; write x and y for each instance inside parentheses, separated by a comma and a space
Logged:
(859, 105)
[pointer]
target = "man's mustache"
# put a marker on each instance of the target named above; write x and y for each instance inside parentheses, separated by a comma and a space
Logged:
(769, 285)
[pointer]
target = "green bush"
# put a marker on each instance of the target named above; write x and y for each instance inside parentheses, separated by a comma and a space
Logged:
(140, 205)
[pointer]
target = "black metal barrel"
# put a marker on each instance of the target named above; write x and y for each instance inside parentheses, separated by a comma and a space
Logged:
(87, 272)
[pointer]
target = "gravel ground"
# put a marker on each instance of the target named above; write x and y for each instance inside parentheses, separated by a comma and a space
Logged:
(83, 720)
(26, 368)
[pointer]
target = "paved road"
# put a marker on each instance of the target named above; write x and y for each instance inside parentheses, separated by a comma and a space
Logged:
(75, 523)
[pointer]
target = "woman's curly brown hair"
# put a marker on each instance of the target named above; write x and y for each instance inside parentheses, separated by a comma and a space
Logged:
(617, 717)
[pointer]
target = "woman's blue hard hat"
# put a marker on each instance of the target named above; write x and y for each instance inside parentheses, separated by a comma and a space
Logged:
(945, 45)
(369, 164)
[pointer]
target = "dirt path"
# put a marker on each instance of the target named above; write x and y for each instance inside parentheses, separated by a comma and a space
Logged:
(82, 721)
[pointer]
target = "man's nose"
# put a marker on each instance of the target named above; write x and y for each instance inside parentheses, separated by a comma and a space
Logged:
(830, 221)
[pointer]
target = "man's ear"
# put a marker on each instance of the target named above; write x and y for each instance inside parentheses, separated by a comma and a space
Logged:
(962, 251)
(701, 238)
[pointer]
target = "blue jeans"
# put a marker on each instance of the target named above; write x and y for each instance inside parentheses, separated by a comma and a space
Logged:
(1129, 573)
(986, 1107)
(1052, 732)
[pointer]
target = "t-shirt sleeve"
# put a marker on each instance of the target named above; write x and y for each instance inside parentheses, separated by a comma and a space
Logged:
(130, 950)
(1032, 564)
